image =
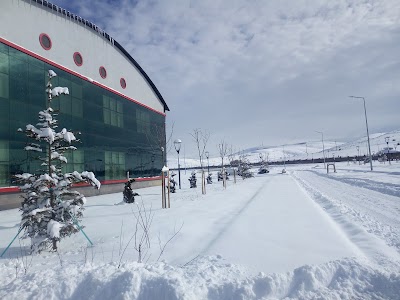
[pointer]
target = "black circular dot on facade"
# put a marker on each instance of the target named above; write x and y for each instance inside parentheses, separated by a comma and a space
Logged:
(103, 72)
(78, 59)
(122, 82)
(45, 41)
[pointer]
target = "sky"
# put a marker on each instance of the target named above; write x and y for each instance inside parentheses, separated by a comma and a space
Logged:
(262, 72)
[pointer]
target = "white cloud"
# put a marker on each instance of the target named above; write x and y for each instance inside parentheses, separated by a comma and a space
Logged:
(263, 71)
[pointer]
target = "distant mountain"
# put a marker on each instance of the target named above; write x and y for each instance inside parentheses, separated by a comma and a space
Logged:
(313, 149)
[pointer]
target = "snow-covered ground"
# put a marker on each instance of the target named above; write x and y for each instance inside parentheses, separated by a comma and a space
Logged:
(300, 235)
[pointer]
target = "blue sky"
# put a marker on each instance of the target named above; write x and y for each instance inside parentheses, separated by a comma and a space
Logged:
(263, 72)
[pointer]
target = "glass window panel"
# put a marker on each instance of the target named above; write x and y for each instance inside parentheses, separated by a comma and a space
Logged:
(77, 109)
(107, 156)
(4, 115)
(120, 121)
(122, 158)
(65, 104)
(113, 105)
(4, 84)
(78, 157)
(64, 82)
(68, 156)
(3, 48)
(114, 121)
(76, 90)
(17, 54)
(37, 94)
(55, 103)
(18, 90)
(4, 175)
(114, 157)
(36, 77)
(107, 116)
(119, 107)
(3, 63)
(18, 68)
(36, 62)
(4, 152)
(106, 102)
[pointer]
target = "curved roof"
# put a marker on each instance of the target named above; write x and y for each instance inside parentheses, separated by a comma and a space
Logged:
(95, 28)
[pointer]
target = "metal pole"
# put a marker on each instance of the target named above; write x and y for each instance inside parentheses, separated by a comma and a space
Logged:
(5, 250)
(283, 152)
(366, 124)
(323, 147)
(163, 188)
(369, 145)
(179, 172)
(80, 228)
(169, 190)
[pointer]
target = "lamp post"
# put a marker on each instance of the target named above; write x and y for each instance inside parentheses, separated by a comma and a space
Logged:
(152, 163)
(358, 154)
(323, 146)
(387, 148)
(283, 153)
(306, 150)
(177, 144)
(366, 124)
(208, 162)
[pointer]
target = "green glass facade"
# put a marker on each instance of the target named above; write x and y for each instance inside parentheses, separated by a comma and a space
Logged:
(117, 135)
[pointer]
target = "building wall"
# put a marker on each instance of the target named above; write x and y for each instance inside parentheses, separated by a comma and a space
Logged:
(22, 22)
(117, 135)
(121, 128)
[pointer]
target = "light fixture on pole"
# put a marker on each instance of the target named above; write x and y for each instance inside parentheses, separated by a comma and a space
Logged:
(323, 146)
(366, 124)
(177, 144)
(208, 162)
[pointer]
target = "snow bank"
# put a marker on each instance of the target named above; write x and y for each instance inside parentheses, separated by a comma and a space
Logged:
(205, 278)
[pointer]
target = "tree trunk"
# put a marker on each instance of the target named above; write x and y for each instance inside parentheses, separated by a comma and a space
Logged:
(54, 244)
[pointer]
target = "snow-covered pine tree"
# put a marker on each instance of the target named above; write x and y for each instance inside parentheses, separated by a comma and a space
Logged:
(244, 167)
(50, 210)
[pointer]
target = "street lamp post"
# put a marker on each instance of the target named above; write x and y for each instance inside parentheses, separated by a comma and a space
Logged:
(366, 124)
(177, 144)
(283, 153)
(387, 148)
(208, 162)
(323, 146)
(306, 151)
(358, 154)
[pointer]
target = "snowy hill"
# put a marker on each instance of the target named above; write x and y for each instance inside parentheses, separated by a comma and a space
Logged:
(306, 150)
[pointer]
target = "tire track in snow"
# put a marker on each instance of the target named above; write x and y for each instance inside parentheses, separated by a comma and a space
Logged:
(381, 187)
(352, 221)
(234, 218)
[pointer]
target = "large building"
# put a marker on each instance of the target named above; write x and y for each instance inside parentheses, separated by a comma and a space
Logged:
(112, 101)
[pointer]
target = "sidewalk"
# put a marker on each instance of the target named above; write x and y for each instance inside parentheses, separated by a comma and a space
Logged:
(281, 229)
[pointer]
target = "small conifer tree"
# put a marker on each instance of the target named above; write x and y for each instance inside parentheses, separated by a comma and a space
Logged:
(244, 167)
(50, 210)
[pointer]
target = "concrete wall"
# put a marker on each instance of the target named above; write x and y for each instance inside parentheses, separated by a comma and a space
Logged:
(22, 22)
(13, 200)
